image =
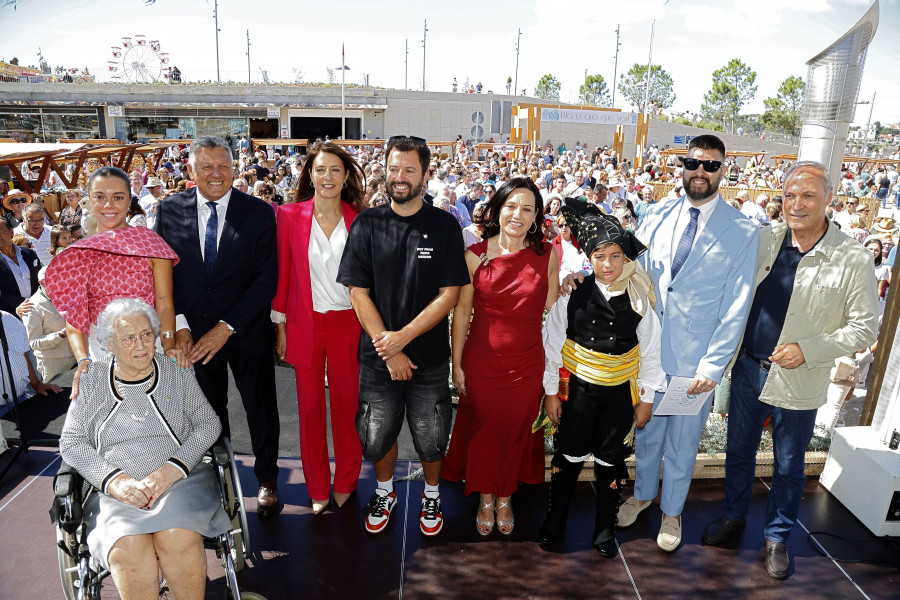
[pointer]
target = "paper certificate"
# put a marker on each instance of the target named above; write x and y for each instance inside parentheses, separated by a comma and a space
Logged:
(677, 401)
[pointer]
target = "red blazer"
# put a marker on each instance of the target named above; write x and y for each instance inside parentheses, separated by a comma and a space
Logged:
(294, 294)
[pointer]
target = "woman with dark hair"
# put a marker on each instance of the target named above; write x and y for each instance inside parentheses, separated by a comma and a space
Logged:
(136, 216)
(117, 261)
(498, 358)
(316, 320)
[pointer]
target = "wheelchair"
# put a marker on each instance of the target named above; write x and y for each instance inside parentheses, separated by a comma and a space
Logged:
(82, 575)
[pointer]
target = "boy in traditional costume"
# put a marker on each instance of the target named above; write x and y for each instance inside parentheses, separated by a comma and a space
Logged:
(602, 365)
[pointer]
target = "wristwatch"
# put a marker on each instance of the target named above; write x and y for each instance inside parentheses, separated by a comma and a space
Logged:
(228, 327)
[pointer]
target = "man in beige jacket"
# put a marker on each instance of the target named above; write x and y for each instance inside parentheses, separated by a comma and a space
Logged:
(815, 301)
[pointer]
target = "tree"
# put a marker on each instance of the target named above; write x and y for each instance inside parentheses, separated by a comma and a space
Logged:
(594, 92)
(733, 87)
(548, 88)
(633, 85)
(331, 78)
(783, 111)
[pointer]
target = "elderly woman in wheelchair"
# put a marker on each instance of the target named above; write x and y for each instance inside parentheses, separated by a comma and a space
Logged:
(138, 431)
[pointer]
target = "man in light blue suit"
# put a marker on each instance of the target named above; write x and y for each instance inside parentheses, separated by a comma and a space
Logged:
(702, 259)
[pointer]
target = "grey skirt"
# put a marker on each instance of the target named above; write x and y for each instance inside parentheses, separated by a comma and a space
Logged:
(191, 503)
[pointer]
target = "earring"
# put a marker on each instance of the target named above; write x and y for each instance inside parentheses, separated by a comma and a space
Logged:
(312, 185)
(345, 185)
(533, 224)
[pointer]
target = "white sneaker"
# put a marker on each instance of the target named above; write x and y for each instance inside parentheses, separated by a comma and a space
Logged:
(431, 519)
(629, 511)
(379, 508)
(669, 537)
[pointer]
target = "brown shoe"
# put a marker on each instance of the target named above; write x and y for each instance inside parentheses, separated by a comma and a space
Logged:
(267, 500)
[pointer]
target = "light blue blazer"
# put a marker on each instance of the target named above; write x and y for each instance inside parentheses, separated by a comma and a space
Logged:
(704, 310)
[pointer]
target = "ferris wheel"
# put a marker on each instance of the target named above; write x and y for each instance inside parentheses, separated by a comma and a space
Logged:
(138, 60)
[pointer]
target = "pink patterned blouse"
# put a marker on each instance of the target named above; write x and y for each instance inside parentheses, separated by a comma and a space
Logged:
(88, 275)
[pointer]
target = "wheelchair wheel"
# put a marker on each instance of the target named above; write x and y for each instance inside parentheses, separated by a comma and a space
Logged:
(235, 503)
(68, 565)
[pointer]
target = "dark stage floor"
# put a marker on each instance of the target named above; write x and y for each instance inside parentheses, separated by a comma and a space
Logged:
(299, 555)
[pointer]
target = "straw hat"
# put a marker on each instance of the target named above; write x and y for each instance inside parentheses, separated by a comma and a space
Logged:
(153, 182)
(885, 225)
(14, 193)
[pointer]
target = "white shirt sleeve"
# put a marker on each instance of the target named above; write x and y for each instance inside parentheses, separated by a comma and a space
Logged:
(181, 323)
(554, 336)
(277, 317)
(650, 373)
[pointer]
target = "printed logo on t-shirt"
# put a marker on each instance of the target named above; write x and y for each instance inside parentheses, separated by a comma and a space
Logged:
(423, 252)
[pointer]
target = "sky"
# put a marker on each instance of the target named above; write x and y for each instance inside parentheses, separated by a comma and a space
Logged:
(467, 40)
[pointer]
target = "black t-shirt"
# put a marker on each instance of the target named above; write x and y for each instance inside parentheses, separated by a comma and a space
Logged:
(403, 262)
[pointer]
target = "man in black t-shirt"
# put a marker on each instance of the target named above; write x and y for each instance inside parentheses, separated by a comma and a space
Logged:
(404, 265)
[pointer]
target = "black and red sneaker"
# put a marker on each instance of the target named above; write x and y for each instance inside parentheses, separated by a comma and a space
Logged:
(379, 508)
(431, 520)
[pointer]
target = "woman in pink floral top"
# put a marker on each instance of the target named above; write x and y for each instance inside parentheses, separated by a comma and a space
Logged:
(116, 262)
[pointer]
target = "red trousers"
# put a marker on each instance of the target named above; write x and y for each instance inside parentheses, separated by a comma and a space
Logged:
(336, 339)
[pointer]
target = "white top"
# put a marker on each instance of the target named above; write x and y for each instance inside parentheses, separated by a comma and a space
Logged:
(684, 217)
(755, 212)
(21, 272)
(17, 339)
(650, 373)
(40, 245)
(324, 261)
(573, 260)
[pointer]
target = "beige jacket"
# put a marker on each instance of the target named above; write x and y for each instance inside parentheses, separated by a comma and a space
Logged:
(833, 312)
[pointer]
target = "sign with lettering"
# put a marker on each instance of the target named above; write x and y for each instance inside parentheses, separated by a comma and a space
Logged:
(599, 117)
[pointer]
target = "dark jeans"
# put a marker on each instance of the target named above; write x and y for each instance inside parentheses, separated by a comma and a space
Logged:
(382, 403)
(791, 432)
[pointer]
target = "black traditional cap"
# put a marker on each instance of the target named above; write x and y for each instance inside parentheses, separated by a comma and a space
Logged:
(593, 229)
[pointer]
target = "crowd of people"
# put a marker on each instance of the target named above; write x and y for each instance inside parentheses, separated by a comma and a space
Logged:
(577, 293)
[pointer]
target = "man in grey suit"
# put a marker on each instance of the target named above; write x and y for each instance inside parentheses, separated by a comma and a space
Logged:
(702, 259)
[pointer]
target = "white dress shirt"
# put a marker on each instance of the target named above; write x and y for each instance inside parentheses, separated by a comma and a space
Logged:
(40, 245)
(650, 372)
(324, 260)
(684, 217)
(20, 271)
(202, 219)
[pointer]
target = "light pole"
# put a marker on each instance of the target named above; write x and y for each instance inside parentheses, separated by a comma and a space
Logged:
(406, 67)
(424, 37)
(616, 67)
(518, 43)
(344, 69)
(649, 62)
(216, 17)
(868, 123)
(248, 56)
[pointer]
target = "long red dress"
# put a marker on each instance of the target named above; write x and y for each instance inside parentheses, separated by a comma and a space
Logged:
(492, 446)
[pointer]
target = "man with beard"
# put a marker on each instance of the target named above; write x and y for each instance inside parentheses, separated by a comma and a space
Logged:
(702, 260)
(404, 265)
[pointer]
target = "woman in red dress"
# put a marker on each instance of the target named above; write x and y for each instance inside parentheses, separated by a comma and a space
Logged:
(315, 319)
(118, 261)
(498, 368)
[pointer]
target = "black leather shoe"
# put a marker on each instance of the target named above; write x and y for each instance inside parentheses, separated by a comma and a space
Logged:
(607, 549)
(778, 563)
(721, 529)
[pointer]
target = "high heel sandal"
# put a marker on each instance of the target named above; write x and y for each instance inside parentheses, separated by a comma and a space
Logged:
(511, 523)
(479, 523)
(340, 498)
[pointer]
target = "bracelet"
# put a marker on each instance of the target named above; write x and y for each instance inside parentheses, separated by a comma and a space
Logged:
(168, 334)
(84, 359)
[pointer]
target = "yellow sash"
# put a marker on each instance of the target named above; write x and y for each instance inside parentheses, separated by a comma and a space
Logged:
(603, 369)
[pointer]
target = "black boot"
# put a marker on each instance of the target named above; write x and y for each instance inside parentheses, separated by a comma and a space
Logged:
(562, 486)
(608, 499)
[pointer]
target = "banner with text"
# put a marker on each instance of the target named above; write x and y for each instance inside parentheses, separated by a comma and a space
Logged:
(600, 117)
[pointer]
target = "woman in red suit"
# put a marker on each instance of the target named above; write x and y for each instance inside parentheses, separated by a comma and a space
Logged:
(315, 319)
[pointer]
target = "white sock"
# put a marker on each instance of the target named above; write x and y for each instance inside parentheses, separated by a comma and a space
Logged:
(387, 486)
(431, 491)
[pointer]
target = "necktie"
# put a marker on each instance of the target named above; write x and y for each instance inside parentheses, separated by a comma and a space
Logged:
(209, 248)
(684, 245)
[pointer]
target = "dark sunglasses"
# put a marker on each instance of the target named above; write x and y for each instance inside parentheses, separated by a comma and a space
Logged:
(710, 166)
(19, 201)
(397, 138)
